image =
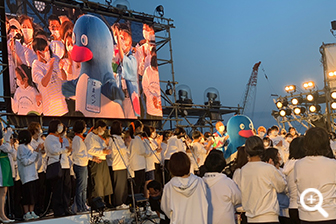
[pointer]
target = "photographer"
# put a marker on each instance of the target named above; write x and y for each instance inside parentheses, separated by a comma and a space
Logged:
(155, 194)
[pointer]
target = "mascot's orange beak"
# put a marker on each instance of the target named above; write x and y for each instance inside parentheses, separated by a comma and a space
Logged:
(81, 54)
(246, 133)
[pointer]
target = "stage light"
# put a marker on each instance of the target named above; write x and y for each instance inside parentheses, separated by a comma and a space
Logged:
(308, 85)
(122, 5)
(333, 95)
(299, 110)
(281, 102)
(275, 113)
(310, 97)
(314, 108)
(160, 10)
(332, 74)
(333, 105)
(285, 112)
(296, 101)
(169, 89)
(290, 88)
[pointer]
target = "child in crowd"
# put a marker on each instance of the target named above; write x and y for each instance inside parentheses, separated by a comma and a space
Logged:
(48, 77)
(184, 196)
(27, 158)
(317, 170)
(222, 193)
(259, 183)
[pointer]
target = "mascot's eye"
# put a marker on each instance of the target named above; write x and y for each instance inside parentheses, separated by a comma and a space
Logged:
(242, 126)
(251, 126)
(84, 40)
(73, 38)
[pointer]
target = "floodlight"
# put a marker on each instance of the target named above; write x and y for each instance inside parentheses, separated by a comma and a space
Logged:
(333, 95)
(310, 97)
(299, 110)
(290, 88)
(333, 105)
(314, 108)
(308, 85)
(285, 112)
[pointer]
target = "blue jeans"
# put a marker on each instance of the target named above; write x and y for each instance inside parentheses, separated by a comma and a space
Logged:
(81, 186)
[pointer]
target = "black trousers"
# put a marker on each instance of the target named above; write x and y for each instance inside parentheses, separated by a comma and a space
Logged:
(120, 187)
(41, 193)
(158, 173)
(318, 222)
(294, 216)
(139, 180)
(66, 179)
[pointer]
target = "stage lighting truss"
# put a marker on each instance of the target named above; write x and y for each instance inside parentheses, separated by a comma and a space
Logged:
(290, 88)
(308, 85)
(299, 110)
(285, 112)
(314, 108)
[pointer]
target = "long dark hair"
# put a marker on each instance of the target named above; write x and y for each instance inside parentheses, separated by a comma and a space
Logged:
(133, 126)
(25, 72)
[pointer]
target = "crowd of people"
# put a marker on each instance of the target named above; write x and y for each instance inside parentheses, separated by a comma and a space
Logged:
(186, 180)
(44, 74)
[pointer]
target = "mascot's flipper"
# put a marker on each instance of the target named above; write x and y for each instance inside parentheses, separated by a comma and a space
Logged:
(69, 88)
(229, 151)
(111, 91)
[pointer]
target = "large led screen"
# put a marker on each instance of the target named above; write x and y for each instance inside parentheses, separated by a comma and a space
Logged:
(66, 62)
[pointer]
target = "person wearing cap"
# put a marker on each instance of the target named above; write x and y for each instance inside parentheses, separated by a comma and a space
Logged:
(6, 179)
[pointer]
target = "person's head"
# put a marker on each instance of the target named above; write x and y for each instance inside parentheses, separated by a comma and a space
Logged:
(54, 26)
(99, 127)
(289, 137)
(179, 132)
(55, 127)
(41, 48)
(274, 130)
(146, 131)
(14, 28)
(166, 135)
(272, 156)
(65, 31)
(215, 162)
(316, 142)
(296, 148)
(35, 129)
(135, 128)
(254, 146)
(261, 131)
(116, 128)
(24, 137)
(23, 76)
(283, 132)
(27, 28)
(79, 127)
(220, 126)
(125, 37)
(155, 189)
(242, 157)
(267, 142)
(292, 131)
(179, 164)
(197, 135)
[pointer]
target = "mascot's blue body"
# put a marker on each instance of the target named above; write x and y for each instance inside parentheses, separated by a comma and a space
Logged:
(93, 47)
(239, 128)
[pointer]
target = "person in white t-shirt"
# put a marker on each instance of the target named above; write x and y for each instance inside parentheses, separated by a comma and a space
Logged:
(222, 193)
(259, 183)
(296, 152)
(199, 150)
(28, 32)
(184, 196)
(49, 79)
(26, 99)
(56, 44)
(317, 170)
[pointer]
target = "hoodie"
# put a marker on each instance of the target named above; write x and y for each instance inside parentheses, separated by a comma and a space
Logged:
(288, 170)
(184, 200)
(222, 195)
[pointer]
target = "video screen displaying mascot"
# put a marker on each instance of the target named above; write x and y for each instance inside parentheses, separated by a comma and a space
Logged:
(65, 62)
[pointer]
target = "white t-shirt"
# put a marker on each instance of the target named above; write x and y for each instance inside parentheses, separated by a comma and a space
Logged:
(52, 98)
(259, 183)
(200, 153)
(174, 145)
(24, 101)
(222, 195)
(317, 172)
(95, 145)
